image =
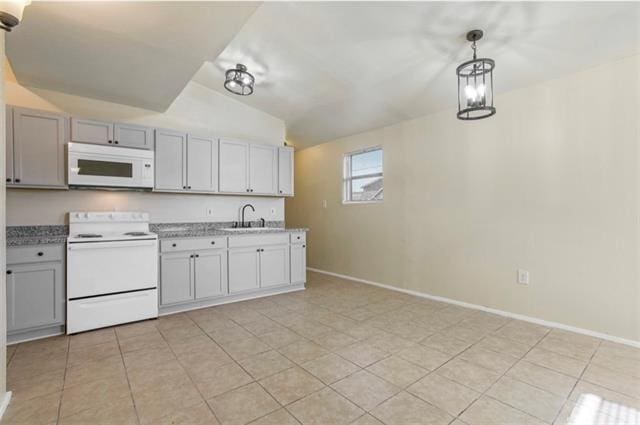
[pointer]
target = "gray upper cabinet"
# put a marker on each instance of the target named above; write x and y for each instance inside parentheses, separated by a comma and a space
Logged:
(285, 171)
(91, 131)
(234, 166)
(176, 275)
(108, 133)
(133, 136)
(170, 157)
(9, 144)
(36, 155)
(263, 163)
(185, 163)
(202, 164)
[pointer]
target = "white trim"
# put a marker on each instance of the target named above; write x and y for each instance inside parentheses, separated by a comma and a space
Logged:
(522, 317)
(5, 403)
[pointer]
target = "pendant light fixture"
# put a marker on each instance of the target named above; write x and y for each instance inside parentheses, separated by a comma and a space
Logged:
(239, 81)
(475, 84)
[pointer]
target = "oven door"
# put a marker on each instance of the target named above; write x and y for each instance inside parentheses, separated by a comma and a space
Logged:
(109, 170)
(102, 268)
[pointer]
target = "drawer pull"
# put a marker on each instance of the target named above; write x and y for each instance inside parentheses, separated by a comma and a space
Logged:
(213, 242)
(110, 141)
(174, 245)
(17, 180)
(40, 254)
(116, 142)
(304, 246)
(9, 272)
(197, 255)
(8, 180)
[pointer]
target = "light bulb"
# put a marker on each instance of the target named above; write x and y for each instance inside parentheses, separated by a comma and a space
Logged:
(481, 89)
(470, 93)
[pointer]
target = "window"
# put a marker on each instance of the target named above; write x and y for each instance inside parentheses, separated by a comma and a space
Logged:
(363, 176)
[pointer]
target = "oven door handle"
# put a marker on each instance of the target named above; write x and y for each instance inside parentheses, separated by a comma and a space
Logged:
(80, 246)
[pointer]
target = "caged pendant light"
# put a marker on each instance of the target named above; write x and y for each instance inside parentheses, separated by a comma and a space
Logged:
(239, 81)
(475, 84)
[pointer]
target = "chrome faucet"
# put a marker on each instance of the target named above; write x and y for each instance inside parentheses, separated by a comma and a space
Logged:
(242, 223)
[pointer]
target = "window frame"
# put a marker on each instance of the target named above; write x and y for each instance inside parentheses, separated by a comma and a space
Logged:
(347, 178)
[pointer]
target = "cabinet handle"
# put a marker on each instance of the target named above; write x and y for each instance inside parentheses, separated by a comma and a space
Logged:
(8, 180)
(9, 272)
(248, 190)
(197, 255)
(188, 187)
(17, 180)
(304, 246)
(213, 242)
(110, 141)
(184, 187)
(40, 254)
(280, 191)
(258, 250)
(116, 142)
(174, 245)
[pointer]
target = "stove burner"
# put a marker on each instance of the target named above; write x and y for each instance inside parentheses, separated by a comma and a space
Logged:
(89, 235)
(135, 234)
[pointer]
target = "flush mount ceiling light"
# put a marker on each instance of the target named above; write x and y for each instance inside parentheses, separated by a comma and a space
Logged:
(475, 84)
(239, 81)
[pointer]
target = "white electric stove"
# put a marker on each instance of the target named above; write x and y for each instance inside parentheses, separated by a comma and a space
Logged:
(112, 270)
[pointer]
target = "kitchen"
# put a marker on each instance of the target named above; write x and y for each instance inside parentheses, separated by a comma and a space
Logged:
(281, 212)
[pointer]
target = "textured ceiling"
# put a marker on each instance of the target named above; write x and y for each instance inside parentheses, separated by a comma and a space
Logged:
(332, 69)
(136, 53)
(328, 69)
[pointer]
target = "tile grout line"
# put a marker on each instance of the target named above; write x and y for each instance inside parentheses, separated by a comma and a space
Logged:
(126, 374)
(182, 367)
(64, 378)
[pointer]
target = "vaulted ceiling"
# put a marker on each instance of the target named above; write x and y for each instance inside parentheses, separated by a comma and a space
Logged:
(328, 69)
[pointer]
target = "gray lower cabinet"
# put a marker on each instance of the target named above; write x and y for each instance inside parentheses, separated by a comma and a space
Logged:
(244, 272)
(189, 276)
(176, 274)
(298, 263)
(35, 289)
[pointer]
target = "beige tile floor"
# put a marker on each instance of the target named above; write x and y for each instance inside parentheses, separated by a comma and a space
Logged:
(337, 353)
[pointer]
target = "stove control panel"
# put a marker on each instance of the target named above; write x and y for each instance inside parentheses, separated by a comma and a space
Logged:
(108, 217)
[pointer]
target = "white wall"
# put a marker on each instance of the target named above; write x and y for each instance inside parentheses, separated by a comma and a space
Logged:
(550, 184)
(3, 242)
(197, 109)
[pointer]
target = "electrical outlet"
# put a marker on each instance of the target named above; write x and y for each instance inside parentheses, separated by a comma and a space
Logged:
(324, 203)
(523, 277)
(209, 212)
(273, 211)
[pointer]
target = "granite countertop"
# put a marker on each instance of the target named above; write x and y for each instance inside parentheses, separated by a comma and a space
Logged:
(195, 233)
(57, 234)
(36, 235)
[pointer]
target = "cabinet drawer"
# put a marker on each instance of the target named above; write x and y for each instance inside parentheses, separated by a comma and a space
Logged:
(34, 254)
(258, 240)
(192, 244)
(300, 237)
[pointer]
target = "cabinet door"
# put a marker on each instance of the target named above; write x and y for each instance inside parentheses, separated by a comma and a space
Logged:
(202, 164)
(298, 263)
(285, 171)
(38, 148)
(234, 166)
(274, 265)
(263, 163)
(133, 136)
(35, 295)
(171, 161)
(243, 270)
(9, 144)
(210, 273)
(90, 131)
(176, 278)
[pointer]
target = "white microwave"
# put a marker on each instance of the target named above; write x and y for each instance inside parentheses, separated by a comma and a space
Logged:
(109, 166)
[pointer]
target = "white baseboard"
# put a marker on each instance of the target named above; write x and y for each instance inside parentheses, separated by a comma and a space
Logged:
(5, 403)
(522, 317)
